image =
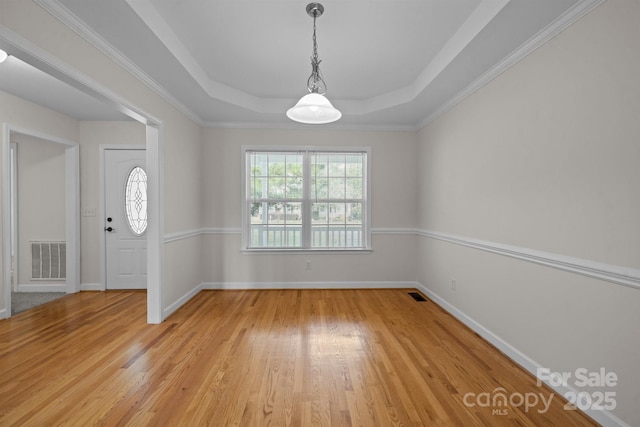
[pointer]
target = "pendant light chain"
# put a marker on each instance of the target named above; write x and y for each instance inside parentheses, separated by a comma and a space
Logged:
(315, 44)
(316, 83)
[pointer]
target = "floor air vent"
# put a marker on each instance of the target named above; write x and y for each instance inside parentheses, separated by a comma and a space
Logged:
(417, 296)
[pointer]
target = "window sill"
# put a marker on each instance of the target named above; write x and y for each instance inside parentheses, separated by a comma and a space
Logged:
(283, 251)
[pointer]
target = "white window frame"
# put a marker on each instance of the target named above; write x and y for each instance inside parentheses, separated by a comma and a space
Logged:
(306, 225)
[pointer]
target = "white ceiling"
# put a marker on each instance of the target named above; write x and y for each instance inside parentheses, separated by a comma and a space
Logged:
(388, 64)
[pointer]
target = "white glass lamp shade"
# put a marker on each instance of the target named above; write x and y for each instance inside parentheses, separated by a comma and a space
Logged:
(313, 108)
(3, 55)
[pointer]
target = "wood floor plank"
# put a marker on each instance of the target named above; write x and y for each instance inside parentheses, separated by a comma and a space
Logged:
(258, 358)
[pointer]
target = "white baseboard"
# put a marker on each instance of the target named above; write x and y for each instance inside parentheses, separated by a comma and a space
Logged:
(603, 417)
(42, 287)
(181, 301)
(91, 287)
(281, 285)
(4, 313)
(266, 286)
(305, 285)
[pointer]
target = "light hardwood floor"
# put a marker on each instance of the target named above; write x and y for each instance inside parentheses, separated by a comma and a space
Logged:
(260, 358)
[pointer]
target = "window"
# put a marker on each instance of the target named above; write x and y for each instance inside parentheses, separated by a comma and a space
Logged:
(308, 199)
(135, 196)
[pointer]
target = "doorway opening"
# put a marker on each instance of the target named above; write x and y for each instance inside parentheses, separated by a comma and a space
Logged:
(45, 62)
(41, 217)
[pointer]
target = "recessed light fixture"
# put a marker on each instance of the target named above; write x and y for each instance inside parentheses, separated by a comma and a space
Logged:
(3, 55)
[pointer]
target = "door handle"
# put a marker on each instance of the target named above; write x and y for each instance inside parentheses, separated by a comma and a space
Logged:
(109, 229)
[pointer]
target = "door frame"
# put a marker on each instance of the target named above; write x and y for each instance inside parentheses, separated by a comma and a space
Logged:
(13, 215)
(72, 207)
(14, 44)
(103, 192)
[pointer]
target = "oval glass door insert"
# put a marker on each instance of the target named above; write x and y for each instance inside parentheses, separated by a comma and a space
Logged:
(136, 200)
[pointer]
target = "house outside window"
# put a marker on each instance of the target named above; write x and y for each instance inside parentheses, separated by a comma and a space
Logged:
(306, 199)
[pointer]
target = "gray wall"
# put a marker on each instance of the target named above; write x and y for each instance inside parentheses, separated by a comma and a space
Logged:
(393, 189)
(545, 158)
(41, 202)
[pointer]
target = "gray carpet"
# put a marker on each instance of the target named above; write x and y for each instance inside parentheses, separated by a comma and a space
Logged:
(21, 301)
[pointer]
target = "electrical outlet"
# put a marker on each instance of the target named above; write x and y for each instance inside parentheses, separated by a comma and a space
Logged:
(308, 266)
(453, 284)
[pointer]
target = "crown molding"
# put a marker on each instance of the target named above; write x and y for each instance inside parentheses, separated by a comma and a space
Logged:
(65, 16)
(560, 24)
(46, 62)
(75, 24)
(71, 21)
(339, 126)
(486, 11)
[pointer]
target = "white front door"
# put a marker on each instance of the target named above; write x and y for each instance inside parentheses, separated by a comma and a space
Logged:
(125, 218)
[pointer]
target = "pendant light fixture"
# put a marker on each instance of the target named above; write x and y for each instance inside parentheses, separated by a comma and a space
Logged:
(314, 108)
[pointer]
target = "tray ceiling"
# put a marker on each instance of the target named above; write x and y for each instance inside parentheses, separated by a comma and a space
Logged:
(388, 64)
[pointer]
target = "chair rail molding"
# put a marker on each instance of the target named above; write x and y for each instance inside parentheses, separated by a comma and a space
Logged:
(625, 276)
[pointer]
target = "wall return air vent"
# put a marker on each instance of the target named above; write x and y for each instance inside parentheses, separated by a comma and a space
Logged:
(49, 260)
